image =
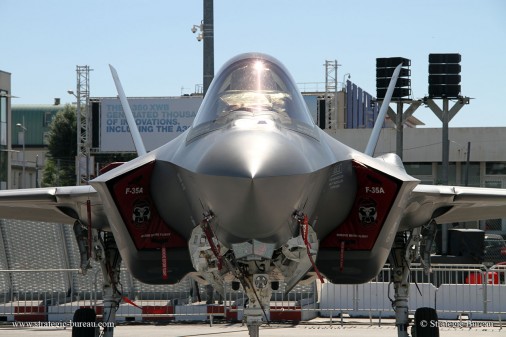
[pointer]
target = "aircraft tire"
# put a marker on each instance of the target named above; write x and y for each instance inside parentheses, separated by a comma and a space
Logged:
(84, 315)
(425, 323)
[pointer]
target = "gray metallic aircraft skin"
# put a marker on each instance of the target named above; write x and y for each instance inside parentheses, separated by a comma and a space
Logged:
(257, 205)
(251, 172)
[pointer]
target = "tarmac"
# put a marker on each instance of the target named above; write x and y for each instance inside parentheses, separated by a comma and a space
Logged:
(319, 327)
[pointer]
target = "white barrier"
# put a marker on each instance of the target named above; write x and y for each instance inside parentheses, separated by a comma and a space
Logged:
(472, 290)
(372, 298)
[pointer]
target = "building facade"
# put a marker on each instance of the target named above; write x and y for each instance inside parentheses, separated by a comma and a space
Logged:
(29, 129)
(5, 115)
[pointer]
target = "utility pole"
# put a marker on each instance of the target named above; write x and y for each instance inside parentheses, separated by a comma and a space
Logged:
(37, 185)
(23, 175)
(399, 118)
(445, 116)
(208, 32)
(446, 142)
(444, 84)
(468, 159)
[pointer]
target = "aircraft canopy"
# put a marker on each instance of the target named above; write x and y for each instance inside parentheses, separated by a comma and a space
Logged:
(253, 85)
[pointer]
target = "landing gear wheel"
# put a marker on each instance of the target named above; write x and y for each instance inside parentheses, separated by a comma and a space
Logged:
(425, 323)
(254, 330)
(84, 315)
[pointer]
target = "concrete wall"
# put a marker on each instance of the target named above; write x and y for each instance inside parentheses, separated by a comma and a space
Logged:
(425, 144)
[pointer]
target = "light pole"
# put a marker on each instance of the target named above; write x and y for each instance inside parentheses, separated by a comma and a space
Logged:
(206, 34)
(78, 124)
(22, 127)
(37, 171)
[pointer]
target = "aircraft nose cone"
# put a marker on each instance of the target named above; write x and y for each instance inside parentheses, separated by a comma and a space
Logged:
(255, 155)
(253, 181)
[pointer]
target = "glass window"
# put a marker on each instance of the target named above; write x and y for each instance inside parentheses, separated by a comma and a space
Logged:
(3, 169)
(3, 133)
(452, 174)
(312, 105)
(420, 169)
(3, 107)
(473, 174)
(493, 224)
(493, 184)
(48, 117)
(495, 168)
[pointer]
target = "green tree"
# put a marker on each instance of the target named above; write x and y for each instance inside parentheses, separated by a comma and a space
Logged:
(60, 167)
(62, 148)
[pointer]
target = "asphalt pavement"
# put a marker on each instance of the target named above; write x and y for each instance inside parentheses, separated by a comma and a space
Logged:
(320, 327)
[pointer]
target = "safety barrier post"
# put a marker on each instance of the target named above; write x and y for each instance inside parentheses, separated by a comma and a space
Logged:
(355, 297)
(485, 288)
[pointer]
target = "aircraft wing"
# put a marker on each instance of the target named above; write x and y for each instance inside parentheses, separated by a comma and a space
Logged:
(447, 204)
(53, 204)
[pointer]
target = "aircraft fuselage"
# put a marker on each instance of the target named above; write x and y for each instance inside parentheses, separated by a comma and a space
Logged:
(254, 180)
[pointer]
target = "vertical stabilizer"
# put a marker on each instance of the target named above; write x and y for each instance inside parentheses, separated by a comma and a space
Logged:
(373, 140)
(134, 131)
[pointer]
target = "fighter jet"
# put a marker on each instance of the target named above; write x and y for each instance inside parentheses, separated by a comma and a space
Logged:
(254, 194)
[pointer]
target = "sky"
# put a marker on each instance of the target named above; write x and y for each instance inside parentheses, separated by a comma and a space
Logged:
(151, 45)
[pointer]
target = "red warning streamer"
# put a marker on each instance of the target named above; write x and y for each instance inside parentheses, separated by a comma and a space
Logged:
(129, 301)
(165, 274)
(209, 236)
(304, 224)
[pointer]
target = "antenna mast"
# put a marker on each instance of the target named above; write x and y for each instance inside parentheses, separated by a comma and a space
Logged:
(83, 166)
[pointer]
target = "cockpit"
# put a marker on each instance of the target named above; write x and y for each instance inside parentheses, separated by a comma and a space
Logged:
(253, 86)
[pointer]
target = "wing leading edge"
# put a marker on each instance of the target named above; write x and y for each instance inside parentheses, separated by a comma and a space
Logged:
(53, 204)
(447, 204)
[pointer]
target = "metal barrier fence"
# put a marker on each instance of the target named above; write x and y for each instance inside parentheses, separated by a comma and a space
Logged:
(474, 290)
